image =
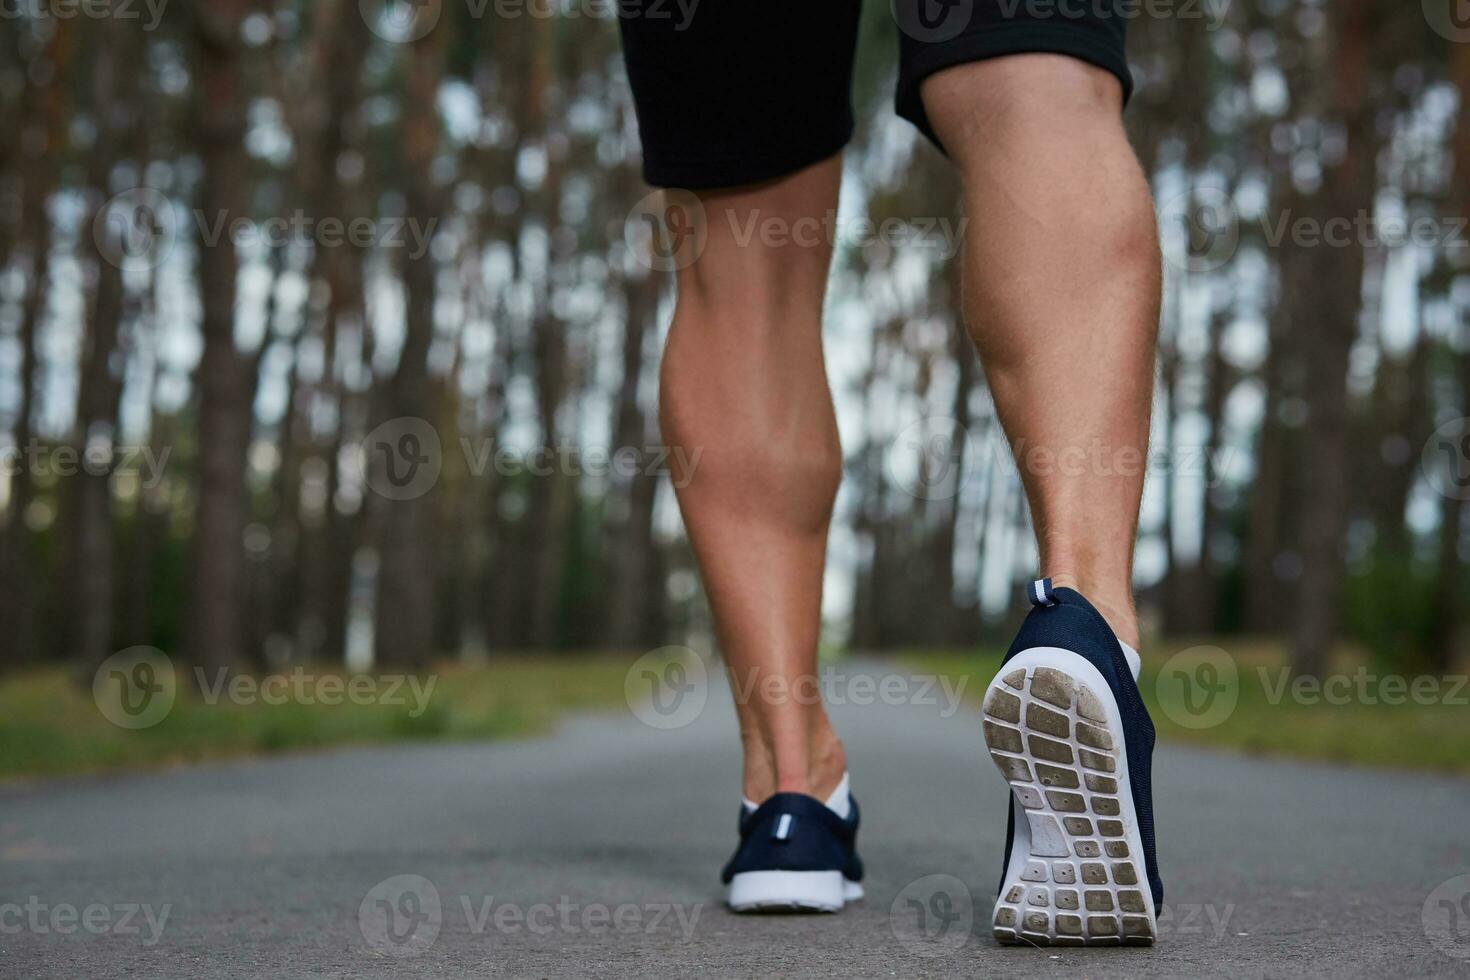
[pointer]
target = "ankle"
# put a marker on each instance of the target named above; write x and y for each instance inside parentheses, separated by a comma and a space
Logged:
(827, 762)
(1114, 603)
(815, 772)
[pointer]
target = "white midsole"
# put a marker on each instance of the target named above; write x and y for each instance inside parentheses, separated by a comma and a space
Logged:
(820, 891)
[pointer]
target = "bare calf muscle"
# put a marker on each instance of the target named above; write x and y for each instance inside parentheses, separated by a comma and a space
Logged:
(743, 380)
(1061, 297)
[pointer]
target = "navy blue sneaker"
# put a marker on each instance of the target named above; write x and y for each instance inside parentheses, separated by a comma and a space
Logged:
(795, 855)
(1067, 728)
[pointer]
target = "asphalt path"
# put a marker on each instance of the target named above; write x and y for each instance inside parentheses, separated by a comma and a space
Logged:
(595, 852)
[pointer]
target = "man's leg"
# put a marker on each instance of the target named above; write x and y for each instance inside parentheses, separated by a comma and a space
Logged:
(1061, 297)
(744, 385)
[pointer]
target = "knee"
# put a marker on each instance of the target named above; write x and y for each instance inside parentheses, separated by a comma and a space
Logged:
(972, 105)
(766, 269)
(766, 248)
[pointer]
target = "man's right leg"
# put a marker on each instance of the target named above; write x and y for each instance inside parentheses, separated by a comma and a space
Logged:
(744, 392)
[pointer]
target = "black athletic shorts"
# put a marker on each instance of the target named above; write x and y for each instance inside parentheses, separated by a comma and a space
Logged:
(734, 92)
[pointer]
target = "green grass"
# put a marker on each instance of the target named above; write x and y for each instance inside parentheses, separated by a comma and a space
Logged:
(50, 725)
(1269, 720)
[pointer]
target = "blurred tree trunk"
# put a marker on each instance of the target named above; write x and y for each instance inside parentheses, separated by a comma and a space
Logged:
(404, 611)
(868, 474)
(496, 611)
(1447, 616)
(551, 495)
(11, 182)
(450, 505)
(1336, 284)
(1218, 382)
(1446, 619)
(328, 541)
(223, 379)
(1195, 74)
(923, 571)
(551, 492)
(893, 514)
(1193, 587)
(21, 560)
(280, 571)
(337, 549)
(1400, 406)
(471, 523)
(149, 532)
(100, 389)
(501, 605)
(1165, 434)
(313, 610)
(45, 117)
(1267, 591)
(635, 595)
(959, 620)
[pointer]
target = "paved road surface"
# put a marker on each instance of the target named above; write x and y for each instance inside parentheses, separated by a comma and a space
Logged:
(595, 853)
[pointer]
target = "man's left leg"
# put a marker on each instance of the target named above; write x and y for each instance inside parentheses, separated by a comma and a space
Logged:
(747, 105)
(1061, 298)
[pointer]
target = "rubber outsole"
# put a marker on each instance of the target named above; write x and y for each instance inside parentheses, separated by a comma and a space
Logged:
(791, 891)
(1076, 872)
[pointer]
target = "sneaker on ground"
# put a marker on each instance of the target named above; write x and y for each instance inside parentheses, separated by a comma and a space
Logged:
(796, 854)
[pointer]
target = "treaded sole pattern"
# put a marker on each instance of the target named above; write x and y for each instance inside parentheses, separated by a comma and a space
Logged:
(1083, 882)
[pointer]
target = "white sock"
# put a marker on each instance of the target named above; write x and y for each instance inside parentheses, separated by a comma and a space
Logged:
(840, 802)
(1135, 662)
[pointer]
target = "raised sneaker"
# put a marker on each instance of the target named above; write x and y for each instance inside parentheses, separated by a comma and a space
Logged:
(1065, 725)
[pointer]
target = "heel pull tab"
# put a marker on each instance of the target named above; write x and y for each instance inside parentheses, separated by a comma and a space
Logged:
(783, 828)
(1041, 593)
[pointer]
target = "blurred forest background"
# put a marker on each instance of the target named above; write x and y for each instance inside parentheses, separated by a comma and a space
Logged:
(1308, 479)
